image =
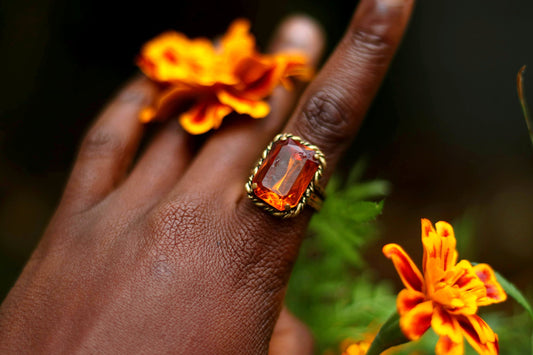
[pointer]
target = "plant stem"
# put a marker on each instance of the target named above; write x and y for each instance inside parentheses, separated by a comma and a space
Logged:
(389, 335)
(523, 103)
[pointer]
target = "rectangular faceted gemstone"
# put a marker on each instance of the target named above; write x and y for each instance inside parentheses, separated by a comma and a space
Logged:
(285, 174)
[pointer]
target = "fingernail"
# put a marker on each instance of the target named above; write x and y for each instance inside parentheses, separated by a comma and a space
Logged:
(302, 33)
(387, 5)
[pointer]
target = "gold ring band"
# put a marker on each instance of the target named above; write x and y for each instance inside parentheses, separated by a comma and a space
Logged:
(286, 177)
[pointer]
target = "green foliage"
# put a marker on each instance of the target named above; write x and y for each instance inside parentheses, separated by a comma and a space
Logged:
(344, 225)
(514, 330)
(330, 288)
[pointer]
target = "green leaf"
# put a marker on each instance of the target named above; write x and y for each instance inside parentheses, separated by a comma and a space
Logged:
(370, 189)
(515, 293)
(389, 335)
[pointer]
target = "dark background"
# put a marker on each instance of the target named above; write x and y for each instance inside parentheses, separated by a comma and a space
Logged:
(446, 129)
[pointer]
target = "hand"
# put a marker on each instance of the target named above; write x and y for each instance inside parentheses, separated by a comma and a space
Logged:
(167, 254)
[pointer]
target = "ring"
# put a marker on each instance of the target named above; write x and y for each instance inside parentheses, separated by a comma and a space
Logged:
(286, 177)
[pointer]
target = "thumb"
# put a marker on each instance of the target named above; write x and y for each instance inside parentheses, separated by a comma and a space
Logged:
(290, 336)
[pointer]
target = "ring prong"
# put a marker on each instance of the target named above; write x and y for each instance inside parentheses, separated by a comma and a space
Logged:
(287, 207)
(316, 156)
(254, 186)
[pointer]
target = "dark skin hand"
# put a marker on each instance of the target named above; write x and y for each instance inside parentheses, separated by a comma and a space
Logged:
(166, 254)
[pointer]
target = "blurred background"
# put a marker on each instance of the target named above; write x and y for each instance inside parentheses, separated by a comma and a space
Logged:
(446, 128)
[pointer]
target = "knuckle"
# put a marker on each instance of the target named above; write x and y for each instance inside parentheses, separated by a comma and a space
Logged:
(326, 118)
(137, 93)
(101, 142)
(371, 45)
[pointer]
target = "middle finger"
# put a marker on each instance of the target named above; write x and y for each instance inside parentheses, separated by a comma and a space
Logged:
(237, 144)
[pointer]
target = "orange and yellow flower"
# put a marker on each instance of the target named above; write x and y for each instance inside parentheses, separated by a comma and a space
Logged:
(358, 348)
(446, 296)
(361, 347)
(210, 81)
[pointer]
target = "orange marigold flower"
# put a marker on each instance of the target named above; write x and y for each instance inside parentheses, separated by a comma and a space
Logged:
(358, 348)
(446, 296)
(215, 80)
(361, 347)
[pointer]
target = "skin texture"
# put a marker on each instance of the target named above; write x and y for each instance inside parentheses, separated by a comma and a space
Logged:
(166, 254)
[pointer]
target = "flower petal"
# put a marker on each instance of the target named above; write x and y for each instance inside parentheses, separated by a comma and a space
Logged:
(408, 299)
(259, 76)
(406, 268)
(296, 65)
(415, 322)
(237, 42)
(172, 57)
(479, 334)
(256, 109)
(459, 290)
(147, 114)
(169, 102)
(495, 292)
(445, 325)
(453, 300)
(204, 116)
(439, 246)
(445, 346)
(427, 228)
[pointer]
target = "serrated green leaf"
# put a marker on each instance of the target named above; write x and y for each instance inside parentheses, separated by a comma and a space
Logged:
(368, 190)
(362, 211)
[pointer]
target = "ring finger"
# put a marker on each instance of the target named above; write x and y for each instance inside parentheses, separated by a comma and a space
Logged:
(237, 145)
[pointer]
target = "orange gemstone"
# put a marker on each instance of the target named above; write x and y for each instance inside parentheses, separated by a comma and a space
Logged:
(285, 174)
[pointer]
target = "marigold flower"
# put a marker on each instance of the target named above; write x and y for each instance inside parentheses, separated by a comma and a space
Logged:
(446, 296)
(215, 80)
(361, 347)
(358, 348)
